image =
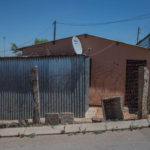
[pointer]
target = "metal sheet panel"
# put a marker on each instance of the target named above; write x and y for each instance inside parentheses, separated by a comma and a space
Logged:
(63, 84)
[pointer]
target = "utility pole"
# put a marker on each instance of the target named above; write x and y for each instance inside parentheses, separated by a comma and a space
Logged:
(4, 38)
(138, 34)
(54, 23)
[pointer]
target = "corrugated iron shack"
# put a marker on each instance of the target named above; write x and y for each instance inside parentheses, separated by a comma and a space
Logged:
(63, 85)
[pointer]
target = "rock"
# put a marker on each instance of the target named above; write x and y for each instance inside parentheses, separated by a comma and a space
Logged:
(52, 118)
(67, 118)
(14, 125)
(3, 125)
(22, 123)
(94, 119)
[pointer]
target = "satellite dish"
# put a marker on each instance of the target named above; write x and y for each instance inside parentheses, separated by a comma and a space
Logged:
(76, 45)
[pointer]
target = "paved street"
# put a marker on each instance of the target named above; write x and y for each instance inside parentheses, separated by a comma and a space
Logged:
(116, 140)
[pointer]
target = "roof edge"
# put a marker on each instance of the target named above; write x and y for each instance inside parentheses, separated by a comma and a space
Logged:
(50, 41)
(143, 39)
(85, 34)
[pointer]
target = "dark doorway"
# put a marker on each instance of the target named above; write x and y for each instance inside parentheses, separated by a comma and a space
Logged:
(131, 95)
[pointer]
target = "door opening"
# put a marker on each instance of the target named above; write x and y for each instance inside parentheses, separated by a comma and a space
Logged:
(131, 94)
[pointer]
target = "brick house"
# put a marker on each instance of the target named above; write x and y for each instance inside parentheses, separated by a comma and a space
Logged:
(114, 65)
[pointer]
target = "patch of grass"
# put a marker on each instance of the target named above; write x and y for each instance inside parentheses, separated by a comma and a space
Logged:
(112, 129)
(140, 127)
(79, 130)
(70, 134)
(46, 124)
(62, 132)
(98, 132)
(132, 127)
(31, 135)
(84, 131)
(29, 124)
(75, 133)
(21, 135)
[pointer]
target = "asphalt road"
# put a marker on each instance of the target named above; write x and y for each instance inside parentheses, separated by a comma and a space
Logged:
(110, 140)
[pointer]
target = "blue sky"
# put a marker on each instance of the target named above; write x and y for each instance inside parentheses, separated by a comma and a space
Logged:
(23, 20)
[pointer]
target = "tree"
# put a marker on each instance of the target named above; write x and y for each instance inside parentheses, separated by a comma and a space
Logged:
(39, 41)
(14, 49)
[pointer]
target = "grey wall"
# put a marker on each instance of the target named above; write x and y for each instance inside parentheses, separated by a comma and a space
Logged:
(63, 84)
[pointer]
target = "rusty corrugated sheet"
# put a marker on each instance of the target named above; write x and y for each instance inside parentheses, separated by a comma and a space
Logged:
(63, 84)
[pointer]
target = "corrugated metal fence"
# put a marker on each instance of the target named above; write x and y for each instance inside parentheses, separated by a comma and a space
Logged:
(63, 84)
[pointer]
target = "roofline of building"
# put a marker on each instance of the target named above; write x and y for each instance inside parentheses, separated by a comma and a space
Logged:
(49, 42)
(143, 39)
(45, 56)
(121, 42)
(85, 35)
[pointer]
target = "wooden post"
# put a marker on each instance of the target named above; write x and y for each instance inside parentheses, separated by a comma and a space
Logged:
(143, 83)
(35, 92)
(54, 30)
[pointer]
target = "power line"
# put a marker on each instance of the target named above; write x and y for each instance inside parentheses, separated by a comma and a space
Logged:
(20, 45)
(141, 17)
(103, 50)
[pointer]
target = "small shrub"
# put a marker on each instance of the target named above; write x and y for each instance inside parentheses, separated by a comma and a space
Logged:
(84, 131)
(21, 135)
(98, 132)
(31, 135)
(46, 124)
(62, 132)
(132, 127)
(112, 129)
(79, 130)
(70, 134)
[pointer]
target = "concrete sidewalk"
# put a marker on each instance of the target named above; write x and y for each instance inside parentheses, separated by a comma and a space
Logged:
(73, 128)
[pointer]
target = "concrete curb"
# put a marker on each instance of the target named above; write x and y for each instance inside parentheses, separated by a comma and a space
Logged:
(73, 128)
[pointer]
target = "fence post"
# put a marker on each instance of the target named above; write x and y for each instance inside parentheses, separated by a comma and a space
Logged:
(35, 92)
(143, 88)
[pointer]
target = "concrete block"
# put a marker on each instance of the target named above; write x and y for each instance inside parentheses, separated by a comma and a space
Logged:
(94, 126)
(82, 120)
(140, 123)
(91, 112)
(114, 125)
(12, 131)
(52, 118)
(112, 108)
(45, 130)
(85, 127)
(148, 120)
(70, 128)
(66, 118)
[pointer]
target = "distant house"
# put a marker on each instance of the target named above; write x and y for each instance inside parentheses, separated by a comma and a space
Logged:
(145, 42)
(114, 65)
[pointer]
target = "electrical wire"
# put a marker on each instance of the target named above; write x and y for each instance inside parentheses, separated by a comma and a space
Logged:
(141, 17)
(22, 44)
(103, 50)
